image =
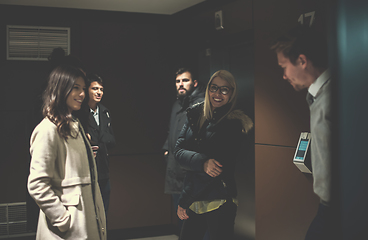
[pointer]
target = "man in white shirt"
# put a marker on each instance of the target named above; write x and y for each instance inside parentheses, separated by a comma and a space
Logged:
(303, 55)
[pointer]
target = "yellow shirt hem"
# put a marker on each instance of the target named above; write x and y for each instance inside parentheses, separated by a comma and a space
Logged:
(201, 207)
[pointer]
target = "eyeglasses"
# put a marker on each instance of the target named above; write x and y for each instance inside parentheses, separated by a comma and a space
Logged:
(223, 90)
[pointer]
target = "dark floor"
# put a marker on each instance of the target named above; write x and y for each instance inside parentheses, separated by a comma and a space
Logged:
(166, 231)
(162, 232)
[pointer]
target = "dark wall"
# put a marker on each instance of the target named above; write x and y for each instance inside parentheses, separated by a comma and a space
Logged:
(136, 54)
(349, 52)
(194, 32)
(127, 51)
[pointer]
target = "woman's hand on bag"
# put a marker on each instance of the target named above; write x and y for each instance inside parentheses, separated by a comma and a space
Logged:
(212, 167)
(182, 213)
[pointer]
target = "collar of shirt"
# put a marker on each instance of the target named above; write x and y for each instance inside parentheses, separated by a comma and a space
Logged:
(314, 87)
(97, 111)
(95, 115)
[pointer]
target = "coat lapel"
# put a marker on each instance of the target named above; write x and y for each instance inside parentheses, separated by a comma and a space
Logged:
(103, 119)
(92, 120)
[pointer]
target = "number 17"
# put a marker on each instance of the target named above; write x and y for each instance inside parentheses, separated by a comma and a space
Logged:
(305, 15)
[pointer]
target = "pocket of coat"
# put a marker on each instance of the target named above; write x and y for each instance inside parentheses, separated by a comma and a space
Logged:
(70, 199)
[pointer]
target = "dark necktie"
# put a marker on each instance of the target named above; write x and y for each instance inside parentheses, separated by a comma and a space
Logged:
(310, 99)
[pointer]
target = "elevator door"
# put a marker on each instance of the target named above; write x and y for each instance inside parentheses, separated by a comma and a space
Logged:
(238, 58)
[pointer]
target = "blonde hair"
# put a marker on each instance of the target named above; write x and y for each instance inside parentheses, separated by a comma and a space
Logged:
(229, 78)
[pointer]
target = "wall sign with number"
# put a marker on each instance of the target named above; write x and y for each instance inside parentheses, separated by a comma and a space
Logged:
(304, 18)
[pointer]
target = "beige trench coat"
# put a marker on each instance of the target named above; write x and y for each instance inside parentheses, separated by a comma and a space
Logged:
(60, 182)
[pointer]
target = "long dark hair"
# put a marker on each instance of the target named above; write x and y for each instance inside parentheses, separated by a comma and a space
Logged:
(60, 84)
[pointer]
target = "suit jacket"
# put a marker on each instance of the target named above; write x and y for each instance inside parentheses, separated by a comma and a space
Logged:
(61, 182)
(103, 136)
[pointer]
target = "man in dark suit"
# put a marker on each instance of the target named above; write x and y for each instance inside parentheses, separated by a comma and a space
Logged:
(101, 133)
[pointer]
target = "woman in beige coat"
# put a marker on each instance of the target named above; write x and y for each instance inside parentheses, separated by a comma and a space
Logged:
(63, 175)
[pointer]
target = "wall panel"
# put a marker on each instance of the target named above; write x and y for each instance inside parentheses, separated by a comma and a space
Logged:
(137, 197)
(285, 202)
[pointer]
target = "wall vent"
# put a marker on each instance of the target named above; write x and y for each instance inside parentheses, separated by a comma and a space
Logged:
(35, 43)
(13, 220)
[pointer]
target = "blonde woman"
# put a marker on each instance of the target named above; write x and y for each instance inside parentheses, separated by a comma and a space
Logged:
(207, 149)
(63, 177)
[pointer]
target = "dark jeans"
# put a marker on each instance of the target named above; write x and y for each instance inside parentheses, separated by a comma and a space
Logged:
(105, 188)
(321, 227)
(219, 224)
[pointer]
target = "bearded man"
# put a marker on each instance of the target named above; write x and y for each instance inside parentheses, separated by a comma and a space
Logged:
(189, 92)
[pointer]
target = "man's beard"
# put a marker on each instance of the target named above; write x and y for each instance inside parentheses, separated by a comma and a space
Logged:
(186, 93)
(181, 95)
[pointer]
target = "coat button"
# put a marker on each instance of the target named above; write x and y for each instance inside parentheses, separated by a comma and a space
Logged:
(195, 139)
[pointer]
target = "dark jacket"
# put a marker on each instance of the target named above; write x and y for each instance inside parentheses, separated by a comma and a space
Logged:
(102, 136)
(219, 140)
(174, 174)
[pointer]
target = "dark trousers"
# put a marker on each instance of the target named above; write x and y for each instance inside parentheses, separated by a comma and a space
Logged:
(105, 188)
(321, 227)
(219, 224)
